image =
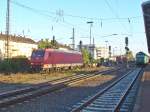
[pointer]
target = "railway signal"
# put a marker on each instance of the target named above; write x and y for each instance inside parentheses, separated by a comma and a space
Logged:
(80, 45)
(109, 51)
(127, 49)
(126, 41)
(53, 42)
(91, 24)
(73, 39)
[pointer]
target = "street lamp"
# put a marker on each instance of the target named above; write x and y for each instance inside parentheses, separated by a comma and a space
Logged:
(91, 23)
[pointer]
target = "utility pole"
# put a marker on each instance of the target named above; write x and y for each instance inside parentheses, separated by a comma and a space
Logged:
(7, 29)
(90, 49)
(93, 41)
(91, 23)
(73, 39)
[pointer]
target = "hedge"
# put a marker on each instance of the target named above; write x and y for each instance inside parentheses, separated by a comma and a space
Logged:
(17, 64)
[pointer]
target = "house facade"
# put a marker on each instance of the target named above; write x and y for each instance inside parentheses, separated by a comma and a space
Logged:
(17, 46)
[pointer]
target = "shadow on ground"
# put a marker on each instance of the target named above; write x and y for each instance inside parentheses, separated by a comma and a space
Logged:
(144, 99)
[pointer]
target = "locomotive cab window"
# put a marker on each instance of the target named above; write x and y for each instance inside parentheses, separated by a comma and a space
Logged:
(38, 53)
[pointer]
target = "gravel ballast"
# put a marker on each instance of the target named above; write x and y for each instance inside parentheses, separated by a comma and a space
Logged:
(64, 100)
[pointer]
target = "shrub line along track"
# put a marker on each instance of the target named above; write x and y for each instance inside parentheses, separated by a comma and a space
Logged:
(20, 95)
(110, 98)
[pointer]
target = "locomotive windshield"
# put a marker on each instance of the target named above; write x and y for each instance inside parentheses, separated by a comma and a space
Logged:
(38, 53)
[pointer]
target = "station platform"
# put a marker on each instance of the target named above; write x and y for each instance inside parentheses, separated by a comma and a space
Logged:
(143, 99)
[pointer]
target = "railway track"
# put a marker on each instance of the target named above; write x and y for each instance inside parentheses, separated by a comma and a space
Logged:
(116, 97)
(20, 95)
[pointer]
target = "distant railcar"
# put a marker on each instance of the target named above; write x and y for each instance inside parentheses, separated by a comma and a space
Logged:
(121, 59)
(124, 59)
(118, 59)
(142, 58)
(55, 58)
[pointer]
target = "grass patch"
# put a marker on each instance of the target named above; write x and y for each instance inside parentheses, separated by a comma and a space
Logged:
(37, 77)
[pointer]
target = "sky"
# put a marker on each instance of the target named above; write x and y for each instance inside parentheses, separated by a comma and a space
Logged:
(37, 19)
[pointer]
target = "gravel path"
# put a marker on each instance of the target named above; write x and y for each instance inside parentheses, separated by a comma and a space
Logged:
(64, 100)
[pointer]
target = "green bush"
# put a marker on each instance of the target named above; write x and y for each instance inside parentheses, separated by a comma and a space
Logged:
(17, 64)
(5, 66)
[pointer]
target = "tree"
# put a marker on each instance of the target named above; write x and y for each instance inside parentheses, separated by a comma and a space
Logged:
(54, 44)
(44, 44)
(130, 55)
(91, 58)
(86, 56)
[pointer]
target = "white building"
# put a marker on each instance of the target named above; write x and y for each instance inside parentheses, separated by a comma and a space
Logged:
(18, 46)
(90, 48)
(96, 52)
(102, 52)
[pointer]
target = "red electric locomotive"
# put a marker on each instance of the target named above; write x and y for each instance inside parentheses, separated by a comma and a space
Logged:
(55, 58)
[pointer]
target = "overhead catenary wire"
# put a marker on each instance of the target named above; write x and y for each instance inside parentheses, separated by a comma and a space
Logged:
(39, 12)
(103, 19)
(31, 9)
(46, 13)
(116, 15)
(70, 25)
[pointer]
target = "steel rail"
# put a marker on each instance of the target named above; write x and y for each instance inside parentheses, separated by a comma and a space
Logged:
(16, 96)
(45, 84)
(118, 106)
(98, 95)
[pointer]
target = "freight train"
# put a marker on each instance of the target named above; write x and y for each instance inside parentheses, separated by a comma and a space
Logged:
(55, 58)
(142, 58)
